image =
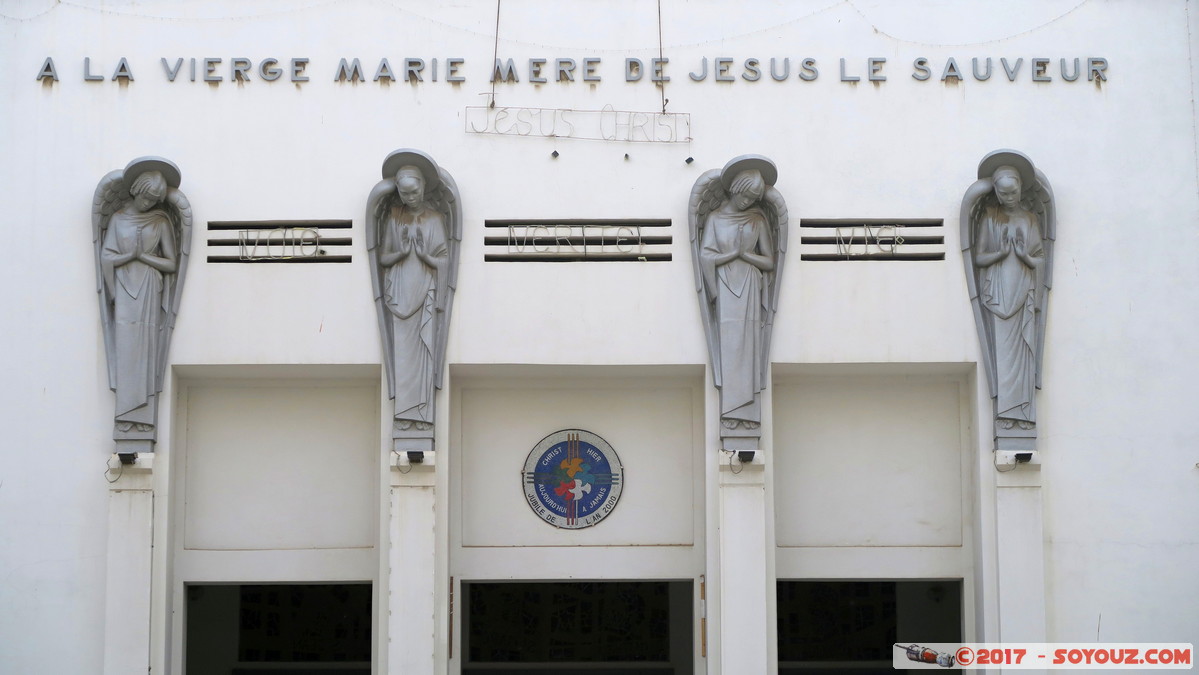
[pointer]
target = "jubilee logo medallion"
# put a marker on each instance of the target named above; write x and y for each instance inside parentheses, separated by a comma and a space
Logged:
(572, 479)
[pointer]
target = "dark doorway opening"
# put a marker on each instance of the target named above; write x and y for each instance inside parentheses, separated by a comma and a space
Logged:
(281, 629)
(553, 628)
(851, 627)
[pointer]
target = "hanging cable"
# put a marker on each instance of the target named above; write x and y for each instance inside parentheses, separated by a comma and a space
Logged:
(109, 468)
(734, 468)
(400, 462)
(495, 55)
(661, 85)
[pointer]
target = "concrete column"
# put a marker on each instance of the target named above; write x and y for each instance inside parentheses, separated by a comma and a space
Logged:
(413, 566)
(128, 564)
(746, 586)
(1021, 552)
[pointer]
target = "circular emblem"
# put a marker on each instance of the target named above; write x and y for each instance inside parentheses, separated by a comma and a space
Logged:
(572, 479)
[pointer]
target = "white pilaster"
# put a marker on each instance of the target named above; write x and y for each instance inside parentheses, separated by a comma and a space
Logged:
(1021, 553)
(746, 589)
(128, 565)
(413, 568)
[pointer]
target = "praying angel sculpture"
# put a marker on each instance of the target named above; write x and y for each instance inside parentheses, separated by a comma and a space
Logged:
(738, 224)
(141, 226)
(1008, 222)
(414, 229)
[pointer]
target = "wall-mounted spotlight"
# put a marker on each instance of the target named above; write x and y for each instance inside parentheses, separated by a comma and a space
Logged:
(746, 456)
(127, 458)
(554, 154)
(416, 457)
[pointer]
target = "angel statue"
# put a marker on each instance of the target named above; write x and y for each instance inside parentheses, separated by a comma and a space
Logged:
(738, 224)
(413, 232)
(141, 225)
(1008, 221)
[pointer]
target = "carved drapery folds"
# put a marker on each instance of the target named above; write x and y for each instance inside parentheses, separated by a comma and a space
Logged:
(1008, 223)
(738, 228)
(141, 227)
(414, 228)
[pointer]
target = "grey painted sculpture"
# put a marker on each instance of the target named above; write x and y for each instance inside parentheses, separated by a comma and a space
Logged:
(414, 228)
(1008, 223)
(738, 224)
(141, 226)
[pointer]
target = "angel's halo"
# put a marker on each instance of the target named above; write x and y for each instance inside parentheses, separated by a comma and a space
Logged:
(141, 165)
(410, 157)
(736, 165)
(1013, 158)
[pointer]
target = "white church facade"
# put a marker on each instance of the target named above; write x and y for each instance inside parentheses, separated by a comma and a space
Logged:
(621, 337)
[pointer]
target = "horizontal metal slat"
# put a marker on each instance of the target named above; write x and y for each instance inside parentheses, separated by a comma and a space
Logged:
(905, 239)
(574, 241)
(324, 242)
(891, 239)
(577, 240)
(579, 222)
(280, 241)
(562, 257)
(308, 259)
(850, 222)
(833, 257)
(215, 225)
(857, 250)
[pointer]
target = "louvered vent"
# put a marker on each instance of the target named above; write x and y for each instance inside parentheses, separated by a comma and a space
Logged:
(279, 241)
(871, 239)
(577, 241)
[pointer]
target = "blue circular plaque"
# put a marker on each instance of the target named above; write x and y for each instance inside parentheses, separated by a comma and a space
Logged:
(572, 479)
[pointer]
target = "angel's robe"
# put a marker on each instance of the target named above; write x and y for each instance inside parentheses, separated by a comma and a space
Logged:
(1008, 290)
(139, 309)
(738, 310)
(410, 295)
